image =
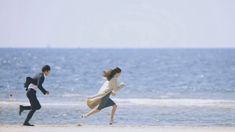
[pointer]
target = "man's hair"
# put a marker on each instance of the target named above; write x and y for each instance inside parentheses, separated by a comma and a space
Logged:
(46, 68)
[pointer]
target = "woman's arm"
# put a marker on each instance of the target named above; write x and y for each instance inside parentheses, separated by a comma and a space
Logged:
(116, 86)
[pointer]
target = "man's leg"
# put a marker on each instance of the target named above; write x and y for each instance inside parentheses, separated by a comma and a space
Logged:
(22, 108)
(29, 116)
(35, 105)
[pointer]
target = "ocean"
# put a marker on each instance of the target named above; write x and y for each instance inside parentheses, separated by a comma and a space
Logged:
(164, 87)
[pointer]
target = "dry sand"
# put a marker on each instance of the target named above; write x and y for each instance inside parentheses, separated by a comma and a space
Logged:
(87, 128)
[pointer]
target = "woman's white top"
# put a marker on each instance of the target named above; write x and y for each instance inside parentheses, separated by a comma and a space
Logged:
(109, 86)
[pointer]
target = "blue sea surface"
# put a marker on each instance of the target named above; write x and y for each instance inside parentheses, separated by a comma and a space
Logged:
(182, 87)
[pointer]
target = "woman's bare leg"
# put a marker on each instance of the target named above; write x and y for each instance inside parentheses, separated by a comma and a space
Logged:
(113, 113)
(93, 111)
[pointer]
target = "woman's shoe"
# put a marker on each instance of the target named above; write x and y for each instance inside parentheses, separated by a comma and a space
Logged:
(111, 123)
(83, 116)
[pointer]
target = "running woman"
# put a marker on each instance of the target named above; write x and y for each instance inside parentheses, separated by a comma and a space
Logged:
(110, 87)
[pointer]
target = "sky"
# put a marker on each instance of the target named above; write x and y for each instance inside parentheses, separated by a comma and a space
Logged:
(117, 23)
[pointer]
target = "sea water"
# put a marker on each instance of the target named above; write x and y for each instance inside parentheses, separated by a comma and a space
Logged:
(176, 87)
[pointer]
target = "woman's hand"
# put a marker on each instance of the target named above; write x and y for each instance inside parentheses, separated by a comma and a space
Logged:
(113, 94)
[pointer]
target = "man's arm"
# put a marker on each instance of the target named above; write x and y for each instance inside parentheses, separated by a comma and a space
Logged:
(40, 81)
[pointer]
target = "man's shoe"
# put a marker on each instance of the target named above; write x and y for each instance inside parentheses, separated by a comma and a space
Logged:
(20, 109)
(27, 124)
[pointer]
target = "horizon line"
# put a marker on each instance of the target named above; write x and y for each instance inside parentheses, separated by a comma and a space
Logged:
(117, 47)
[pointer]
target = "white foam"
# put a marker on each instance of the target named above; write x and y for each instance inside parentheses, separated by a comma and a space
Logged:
(178, 102)
(16, 103)
(144, 102)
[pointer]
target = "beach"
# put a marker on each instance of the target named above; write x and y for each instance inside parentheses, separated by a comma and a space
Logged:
(70, 128)
(159, 90)
(117, 66)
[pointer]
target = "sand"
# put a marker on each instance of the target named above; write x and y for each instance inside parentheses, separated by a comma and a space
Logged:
(87, 128)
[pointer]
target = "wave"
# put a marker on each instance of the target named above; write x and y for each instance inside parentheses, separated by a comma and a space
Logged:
(179, 102)
(143, 102)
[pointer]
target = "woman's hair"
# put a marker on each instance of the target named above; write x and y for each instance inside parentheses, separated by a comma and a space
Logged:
(109, 74)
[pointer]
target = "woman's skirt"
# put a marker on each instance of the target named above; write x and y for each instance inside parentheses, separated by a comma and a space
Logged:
(100, 102)
(106, 102)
